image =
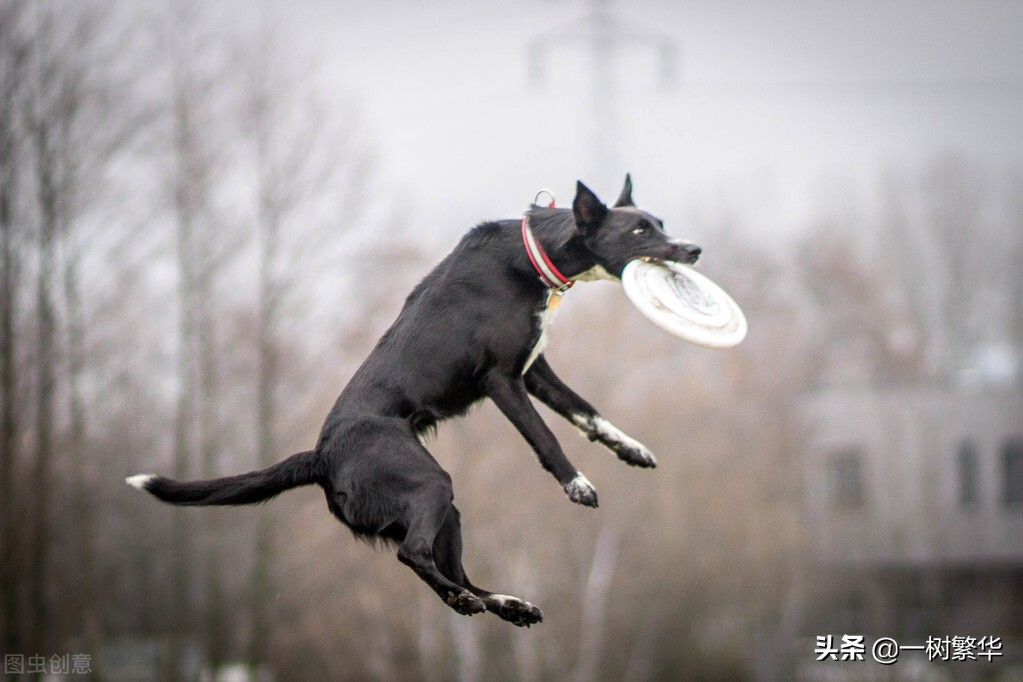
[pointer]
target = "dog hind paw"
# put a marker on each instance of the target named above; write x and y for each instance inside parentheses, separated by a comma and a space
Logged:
(581, 491)
(465, 603)
(514, 610)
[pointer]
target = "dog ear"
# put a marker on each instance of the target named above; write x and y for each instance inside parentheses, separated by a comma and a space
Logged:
(625, 198)
(588, 210)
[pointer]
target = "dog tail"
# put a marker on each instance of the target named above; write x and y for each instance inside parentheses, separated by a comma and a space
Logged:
(256, 486)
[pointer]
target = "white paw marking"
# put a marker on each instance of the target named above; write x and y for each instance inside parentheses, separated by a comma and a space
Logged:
(581, 491)
(600, 429)
(504, 598)
(583, 423)
(140, 481)
(608, 430)
(580, 481)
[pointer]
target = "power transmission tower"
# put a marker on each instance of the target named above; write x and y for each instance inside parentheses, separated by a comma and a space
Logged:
(603, 35)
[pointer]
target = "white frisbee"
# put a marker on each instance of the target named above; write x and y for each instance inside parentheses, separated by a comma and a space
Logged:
(685, 303)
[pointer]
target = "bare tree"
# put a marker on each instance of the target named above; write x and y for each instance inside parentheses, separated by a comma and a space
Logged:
(195, 64)
(273, 198)
(865, 329)
(71, 134)
(43, 134)
(298, 158)
(947, 238)
(595, 602)
(14, 50)
(104, 118)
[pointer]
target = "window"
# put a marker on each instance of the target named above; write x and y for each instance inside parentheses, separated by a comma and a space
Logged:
(847, 490)
(969, 479)
(1012, 467)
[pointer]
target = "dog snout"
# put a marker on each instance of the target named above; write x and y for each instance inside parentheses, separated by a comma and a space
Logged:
(687, 252)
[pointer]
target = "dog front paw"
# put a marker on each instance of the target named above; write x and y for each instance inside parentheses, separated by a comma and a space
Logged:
(635, 454)
(581, 491)
(628, 449)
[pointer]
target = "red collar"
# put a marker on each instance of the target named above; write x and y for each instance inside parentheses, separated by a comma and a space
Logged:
(549, 274)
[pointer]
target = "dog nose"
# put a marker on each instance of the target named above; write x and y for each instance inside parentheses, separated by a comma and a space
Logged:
(692, 252)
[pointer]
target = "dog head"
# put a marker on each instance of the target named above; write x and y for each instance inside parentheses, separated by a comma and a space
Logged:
(617, 235)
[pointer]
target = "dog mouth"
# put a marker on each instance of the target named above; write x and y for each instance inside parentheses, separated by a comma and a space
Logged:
(675, 251)
(687, 258)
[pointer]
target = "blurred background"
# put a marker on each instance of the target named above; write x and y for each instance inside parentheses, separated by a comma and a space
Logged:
(211, 211)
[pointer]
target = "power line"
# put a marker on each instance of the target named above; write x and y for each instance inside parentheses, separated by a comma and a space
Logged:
(603, 35)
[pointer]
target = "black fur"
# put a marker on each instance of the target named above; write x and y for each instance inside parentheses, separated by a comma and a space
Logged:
(464, 334)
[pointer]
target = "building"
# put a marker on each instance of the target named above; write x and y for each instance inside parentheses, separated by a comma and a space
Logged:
(914, 515)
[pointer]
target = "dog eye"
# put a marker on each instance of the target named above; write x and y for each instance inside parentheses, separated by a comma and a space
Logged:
(641, 230)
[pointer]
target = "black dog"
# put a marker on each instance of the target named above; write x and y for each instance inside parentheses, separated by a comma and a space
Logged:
(474, 328)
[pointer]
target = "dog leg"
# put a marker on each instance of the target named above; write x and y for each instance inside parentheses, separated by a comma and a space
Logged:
(430, 509)
(509, 394)
(447, 552)
(419, 558)
(542, 382)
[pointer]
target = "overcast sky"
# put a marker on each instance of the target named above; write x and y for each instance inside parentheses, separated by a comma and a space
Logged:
(776, 99)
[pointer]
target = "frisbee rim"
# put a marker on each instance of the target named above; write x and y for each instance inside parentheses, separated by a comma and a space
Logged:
(726, 335)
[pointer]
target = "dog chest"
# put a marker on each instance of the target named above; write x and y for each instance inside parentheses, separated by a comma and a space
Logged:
(542, 324)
